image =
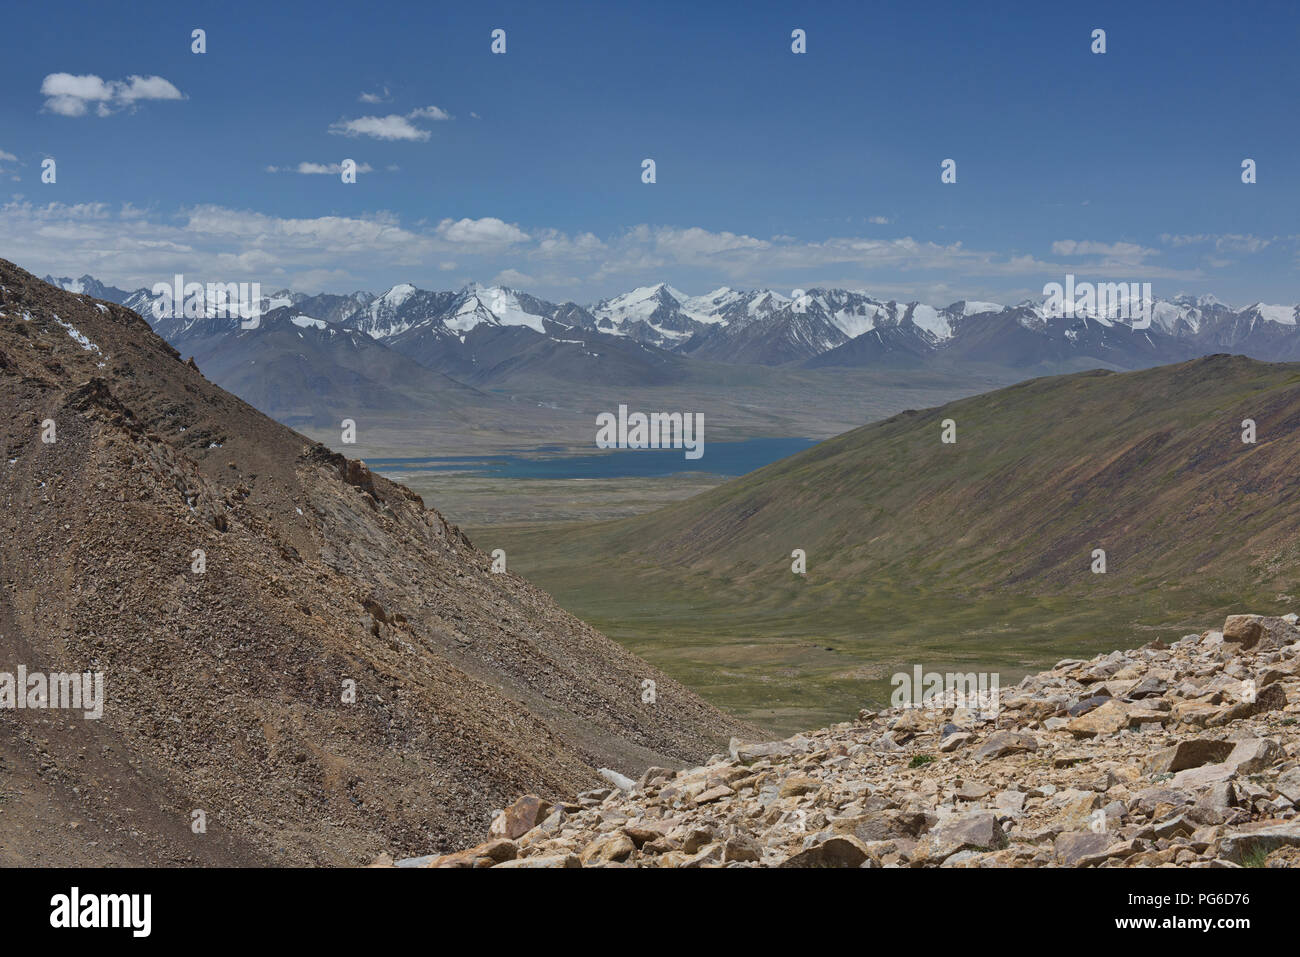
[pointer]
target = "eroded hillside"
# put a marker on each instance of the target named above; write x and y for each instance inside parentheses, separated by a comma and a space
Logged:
(225, 688)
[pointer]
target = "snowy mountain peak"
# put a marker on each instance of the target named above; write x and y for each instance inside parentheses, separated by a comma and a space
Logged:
(1282, 315)
(762, 326)
(974, 307)
(397, 295)
(89, 286)
(508, 308)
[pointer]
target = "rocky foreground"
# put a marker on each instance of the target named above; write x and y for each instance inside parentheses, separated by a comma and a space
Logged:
(1182, 755)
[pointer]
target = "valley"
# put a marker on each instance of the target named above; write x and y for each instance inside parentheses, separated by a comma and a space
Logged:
(990, 538)
(690, 568)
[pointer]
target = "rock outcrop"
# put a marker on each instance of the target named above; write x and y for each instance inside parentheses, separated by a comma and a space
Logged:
(1167, 755)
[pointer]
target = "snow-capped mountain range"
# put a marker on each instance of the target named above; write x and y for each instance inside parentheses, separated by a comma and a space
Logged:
(480, 332)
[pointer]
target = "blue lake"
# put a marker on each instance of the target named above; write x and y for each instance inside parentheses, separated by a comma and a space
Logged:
(720, 458)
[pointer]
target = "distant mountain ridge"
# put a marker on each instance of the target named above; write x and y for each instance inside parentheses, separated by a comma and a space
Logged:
(491, 334)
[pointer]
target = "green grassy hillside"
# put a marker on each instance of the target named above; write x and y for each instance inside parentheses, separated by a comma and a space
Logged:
(977, 553)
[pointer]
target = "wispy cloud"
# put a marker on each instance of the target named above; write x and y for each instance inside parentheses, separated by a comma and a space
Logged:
(128, 247)
(69, 94)
(392, 126)
(1225, 242)
(374, 97)
(1118, 253)
(429, 113)
(318, 169)
(513, 278)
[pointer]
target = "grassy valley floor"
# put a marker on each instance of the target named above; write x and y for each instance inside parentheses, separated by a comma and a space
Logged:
(792, 671)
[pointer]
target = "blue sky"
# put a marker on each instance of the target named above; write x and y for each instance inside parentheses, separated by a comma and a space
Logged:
(773, 169)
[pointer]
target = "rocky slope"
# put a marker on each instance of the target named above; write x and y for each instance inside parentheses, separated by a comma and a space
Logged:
(1182, 754)
(227, 675)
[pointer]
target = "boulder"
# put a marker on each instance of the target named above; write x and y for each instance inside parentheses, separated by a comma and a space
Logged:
(1195, 779)
(1243, 630)
(1012, 802)
(976, 831)
(1259, 632)
(1269, 698)
(1288, 785)
(751, 751)
(1076, 813)
(1219, 797)
(521, 817)
(741, 848)
(1003, 743)
(1149, 687)
(1106, 719)
(1254, 754)
(544, 861)
(1073, 847)
(1087, 705)
(1248, 845)
(713, 794)
(1190, 753)
(654, 776)
(487, 854)
(838, 851)
(607, 848)
(798, 784)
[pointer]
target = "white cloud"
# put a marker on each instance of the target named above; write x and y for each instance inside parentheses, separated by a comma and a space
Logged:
(208, 240)
(553, 244)
(695, 242)
(880, 220)
(73, 95)
(318, 169)
(488, 231)
(132, 247)
(374, 97)
(1224, 243)
(748, 259)
(1115, 252)
(513, 278)
(7, 157)
(146, 88)
(1185, 239)
(429, 113)
(391, 127)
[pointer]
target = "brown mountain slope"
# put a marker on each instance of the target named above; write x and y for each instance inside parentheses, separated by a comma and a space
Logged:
(224, 690)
